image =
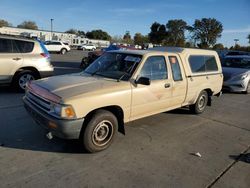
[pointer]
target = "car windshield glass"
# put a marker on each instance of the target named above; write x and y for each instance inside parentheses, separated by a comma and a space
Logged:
(115, 65)
(237, 63)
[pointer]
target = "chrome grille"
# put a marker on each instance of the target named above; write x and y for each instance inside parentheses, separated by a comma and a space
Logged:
(38, 101)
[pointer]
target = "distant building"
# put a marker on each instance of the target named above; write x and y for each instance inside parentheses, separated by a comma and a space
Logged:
(44, 35)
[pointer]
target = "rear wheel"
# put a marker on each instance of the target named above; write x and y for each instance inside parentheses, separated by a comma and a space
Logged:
(100, 131)
(22, 78)
(200, 104)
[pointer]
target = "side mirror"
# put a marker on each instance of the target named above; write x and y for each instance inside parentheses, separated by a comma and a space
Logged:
(143, 81)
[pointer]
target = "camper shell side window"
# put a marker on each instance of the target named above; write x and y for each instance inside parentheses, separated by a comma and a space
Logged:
(202, 63)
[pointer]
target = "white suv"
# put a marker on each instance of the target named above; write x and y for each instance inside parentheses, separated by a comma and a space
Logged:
(87, 47)
(22, 60)
(57, 46)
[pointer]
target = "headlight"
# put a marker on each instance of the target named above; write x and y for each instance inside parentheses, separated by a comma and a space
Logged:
(63, 111)
(239, 77)
(244, 76)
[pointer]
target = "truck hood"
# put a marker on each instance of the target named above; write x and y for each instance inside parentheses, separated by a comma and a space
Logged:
(70, 85)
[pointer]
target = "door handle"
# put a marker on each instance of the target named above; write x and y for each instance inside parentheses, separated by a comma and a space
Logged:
(167, 85)
(17, 58)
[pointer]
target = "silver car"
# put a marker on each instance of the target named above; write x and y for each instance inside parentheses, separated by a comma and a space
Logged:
(22, 60)
(236, 71)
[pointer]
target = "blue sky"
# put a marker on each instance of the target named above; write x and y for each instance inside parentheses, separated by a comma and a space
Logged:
(117, 17)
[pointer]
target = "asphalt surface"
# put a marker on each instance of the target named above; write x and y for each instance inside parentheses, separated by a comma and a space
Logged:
(157, 151)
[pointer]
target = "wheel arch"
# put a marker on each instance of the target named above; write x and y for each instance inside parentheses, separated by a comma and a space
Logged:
(33, 69)
(114, 109)
(209, 93)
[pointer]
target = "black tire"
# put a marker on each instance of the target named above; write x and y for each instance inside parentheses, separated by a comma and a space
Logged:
(200, 104)
(100, 131)
(63, 51)
(22, 78)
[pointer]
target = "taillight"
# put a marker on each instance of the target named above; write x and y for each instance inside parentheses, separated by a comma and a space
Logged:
(44, 55)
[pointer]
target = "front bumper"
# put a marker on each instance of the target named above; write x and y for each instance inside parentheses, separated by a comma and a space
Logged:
(66, 129)
(235, 86)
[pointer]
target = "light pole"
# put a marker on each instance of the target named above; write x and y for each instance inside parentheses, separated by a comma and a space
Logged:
(51, 28)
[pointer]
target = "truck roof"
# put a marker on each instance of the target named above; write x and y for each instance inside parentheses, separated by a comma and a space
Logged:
(170, 50)
(181, 50)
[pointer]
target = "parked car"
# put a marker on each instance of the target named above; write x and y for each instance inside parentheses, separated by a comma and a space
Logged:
(92, 56)
(57, 46)
(22, 60)
(122, 86)
(236, 70)
(87, 47)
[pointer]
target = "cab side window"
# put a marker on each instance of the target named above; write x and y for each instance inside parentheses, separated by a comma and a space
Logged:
(154, 68)
(175, 66)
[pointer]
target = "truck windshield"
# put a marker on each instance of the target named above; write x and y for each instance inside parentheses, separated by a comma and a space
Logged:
(115, 65)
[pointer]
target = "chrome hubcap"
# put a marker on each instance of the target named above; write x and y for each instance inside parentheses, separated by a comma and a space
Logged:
(24, 79)
(202, 102)
(102, 133)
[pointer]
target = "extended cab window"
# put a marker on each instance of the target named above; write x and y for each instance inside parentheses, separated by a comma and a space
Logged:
(175, 66)
(201, 63)
(154, 68)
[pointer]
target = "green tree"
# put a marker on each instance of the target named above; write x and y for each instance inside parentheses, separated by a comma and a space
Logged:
(218, 46)
(28, 25)
(72, 31)
(117, 39)
(98, 34)
(140, 39)
(206, 31)
(248, 37)
(4, 23)
(127, 38)
(157, 33)
(176, 32)
(81, 33)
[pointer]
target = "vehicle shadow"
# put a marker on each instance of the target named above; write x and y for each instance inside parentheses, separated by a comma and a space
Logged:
(183, 110)
(38, 142)
(6, 89)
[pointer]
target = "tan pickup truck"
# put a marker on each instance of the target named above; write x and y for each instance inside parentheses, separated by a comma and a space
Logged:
(122, 86)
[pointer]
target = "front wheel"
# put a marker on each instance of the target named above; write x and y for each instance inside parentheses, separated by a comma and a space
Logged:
(100, 131)
(200, 104)
(63, 51)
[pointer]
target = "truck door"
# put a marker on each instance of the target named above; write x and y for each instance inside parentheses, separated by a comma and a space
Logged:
(179, 85)
(153, 98)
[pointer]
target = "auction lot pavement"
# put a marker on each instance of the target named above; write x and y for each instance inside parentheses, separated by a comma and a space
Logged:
(156, 151)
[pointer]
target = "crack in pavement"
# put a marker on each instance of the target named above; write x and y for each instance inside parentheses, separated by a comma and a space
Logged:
(228, 168)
